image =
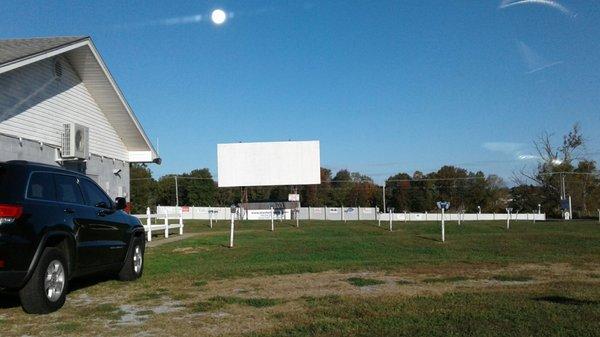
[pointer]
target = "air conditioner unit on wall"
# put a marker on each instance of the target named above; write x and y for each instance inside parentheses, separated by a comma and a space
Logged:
(75, 141)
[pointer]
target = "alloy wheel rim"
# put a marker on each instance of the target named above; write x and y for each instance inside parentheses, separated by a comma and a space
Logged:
(137, 259)
(54, 282)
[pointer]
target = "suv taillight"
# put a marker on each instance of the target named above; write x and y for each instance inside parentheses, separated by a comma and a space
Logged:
(9, 213)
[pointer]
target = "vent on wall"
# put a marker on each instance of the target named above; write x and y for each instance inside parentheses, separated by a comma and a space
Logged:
(75, 141)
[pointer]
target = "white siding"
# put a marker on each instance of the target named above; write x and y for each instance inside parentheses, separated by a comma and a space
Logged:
(34, 104)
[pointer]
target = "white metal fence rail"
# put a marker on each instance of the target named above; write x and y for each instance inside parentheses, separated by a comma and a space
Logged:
(341, 214)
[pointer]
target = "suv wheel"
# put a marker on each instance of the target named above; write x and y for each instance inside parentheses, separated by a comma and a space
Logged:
(134, 263)
(46, 290)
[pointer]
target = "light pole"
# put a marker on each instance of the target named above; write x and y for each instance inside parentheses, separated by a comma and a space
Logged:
(233, 211)
(443, 205)
(176, 192)
(384, 197)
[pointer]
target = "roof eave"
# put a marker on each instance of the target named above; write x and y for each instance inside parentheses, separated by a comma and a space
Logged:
(35, 57)
(122, 98)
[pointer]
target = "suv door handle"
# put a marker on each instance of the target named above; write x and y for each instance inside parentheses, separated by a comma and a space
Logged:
(69, 210)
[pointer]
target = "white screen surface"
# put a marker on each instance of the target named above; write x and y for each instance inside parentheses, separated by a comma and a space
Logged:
(269, 164)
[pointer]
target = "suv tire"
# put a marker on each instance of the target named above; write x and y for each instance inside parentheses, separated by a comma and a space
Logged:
(46, 290)
(134, 262)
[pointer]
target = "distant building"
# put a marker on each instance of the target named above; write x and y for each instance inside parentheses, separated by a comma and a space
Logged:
(59, 105)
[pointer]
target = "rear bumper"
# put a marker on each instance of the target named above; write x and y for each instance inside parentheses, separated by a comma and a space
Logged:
(15, 254)
(12, 279)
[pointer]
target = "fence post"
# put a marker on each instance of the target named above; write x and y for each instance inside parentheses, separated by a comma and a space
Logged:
(425, 215)
(272, 220)
(405, 218)
(166, 223)
(181, 221)
(231, 233)
(343, 217)
(443, 227)
(358, 213)
(391, 217)
(149, 223)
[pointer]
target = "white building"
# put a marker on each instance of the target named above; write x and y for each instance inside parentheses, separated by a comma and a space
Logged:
(59, 105)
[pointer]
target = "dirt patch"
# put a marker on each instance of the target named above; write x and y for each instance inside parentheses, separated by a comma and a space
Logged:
(190, 250)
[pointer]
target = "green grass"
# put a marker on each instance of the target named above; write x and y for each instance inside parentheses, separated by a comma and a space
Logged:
(67, 327)
(104, 310)
(313, 301)
(523, 312)
(512, 278)
(219, 302)
(319, 246)
(363, 282)
(149, 295)
(551, 307)
(200, 283)
(144, 313)
(445, 279)
(404, 282)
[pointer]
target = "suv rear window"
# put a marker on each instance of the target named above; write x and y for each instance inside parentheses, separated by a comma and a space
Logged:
(67, 189)
(41, 186)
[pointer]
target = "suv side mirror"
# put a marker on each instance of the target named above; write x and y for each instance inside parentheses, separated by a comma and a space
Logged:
(120, 203)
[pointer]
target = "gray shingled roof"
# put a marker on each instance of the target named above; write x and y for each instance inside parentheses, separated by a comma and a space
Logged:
(16, 49)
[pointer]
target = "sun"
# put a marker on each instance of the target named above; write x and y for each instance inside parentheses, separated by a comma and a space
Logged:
(218, 16)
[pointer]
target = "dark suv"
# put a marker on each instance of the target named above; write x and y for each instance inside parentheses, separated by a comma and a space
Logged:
(57, 224)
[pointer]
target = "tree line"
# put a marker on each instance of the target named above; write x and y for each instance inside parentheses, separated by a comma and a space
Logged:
(417, 192)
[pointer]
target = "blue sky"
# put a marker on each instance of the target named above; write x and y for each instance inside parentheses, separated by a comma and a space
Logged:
(385, 86)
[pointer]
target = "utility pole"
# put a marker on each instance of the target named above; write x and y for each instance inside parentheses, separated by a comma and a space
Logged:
(563, 198)
(563, 193)
(384, 209)
(176, 192)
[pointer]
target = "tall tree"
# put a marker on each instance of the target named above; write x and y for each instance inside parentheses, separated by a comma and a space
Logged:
(565, 162)
(200, 187)
(143, 188)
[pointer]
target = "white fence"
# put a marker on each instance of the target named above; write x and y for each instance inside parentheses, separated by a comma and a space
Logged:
(339, 214)
(462, 216)
(162, 221)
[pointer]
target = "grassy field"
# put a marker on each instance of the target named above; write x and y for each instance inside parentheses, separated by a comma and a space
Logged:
(319, 246)
(346, 279)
